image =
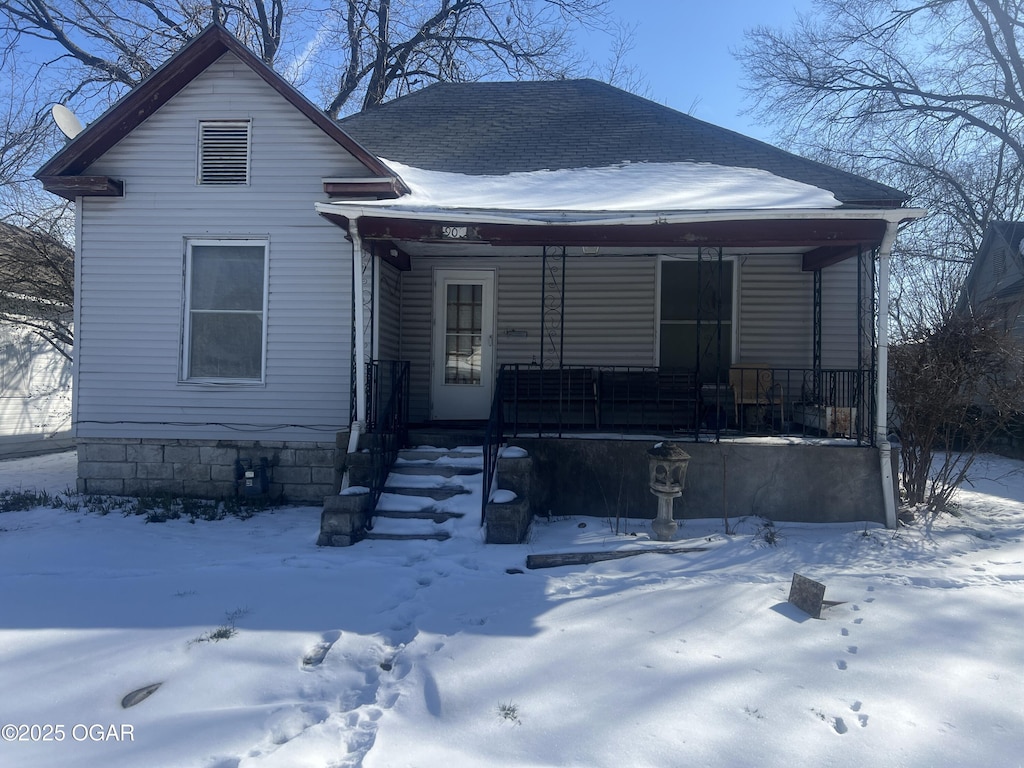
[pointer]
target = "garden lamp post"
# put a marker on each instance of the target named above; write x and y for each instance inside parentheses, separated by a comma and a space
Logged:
(668, 464)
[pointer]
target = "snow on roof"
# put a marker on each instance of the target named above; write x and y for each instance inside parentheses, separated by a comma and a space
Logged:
(622, 187)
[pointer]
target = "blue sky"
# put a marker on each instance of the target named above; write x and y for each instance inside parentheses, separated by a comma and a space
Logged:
(683, 48)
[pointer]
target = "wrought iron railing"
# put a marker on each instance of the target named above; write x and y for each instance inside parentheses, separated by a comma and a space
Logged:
(494, 437)
(750, 399)
(387, 418)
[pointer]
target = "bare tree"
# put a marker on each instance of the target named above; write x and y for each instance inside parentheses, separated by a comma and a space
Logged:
(36, 262)
(926, 95)
(353, 53)
(37, 282)
(357, 52)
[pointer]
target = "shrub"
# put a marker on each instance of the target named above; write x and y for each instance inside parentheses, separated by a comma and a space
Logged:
(953, 389)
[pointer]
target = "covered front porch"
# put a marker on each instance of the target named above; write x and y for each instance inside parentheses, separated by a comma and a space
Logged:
(689, 342)
(705, 328)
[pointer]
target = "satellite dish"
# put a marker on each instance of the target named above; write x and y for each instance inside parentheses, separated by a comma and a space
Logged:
(65, 119)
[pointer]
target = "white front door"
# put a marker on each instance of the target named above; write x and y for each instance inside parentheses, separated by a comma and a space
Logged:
(462, 379)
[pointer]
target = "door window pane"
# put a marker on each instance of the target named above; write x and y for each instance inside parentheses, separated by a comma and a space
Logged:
(463, 334)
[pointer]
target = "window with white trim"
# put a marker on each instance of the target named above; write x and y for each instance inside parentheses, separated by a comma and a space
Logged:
(225, 310)
(224, 150)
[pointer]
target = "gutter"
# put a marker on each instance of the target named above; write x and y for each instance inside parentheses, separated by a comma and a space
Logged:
(352, 211)
(882, 384)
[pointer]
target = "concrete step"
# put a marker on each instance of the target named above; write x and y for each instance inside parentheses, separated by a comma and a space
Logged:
(427, 513)
(452, 437)
(437, 494)
(439, 454)
(432, 468)
(438, 536)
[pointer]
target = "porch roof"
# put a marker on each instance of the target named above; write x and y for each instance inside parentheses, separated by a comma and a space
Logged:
(824, 237)
(667, 205)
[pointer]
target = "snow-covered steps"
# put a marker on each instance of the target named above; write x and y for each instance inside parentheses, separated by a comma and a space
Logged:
(428, 491)
(432, 468)
(443, 455)
(436, 492)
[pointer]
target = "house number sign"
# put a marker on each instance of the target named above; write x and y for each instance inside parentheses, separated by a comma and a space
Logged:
(455, 233)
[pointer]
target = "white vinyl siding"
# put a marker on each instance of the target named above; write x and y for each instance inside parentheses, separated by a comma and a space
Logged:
(839, 315)
(132, 286)
(390, 313)
(775, 311)
(224, 151)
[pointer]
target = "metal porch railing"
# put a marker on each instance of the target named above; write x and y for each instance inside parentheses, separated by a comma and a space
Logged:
(387, 418)
(751, 400)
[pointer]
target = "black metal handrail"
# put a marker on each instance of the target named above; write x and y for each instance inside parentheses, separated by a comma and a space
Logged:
(750, 399)
(494, 436)
(387, 418)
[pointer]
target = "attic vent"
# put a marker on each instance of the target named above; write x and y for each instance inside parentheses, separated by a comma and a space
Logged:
(224, 152)
(999, 262)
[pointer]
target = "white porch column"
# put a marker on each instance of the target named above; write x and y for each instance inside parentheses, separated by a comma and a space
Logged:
(882, 384)
(359, 352)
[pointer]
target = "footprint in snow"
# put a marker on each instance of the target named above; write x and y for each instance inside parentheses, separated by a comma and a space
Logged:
(315, 657)
(837, 723)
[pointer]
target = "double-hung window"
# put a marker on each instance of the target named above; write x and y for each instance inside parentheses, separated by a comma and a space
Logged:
(225, 310)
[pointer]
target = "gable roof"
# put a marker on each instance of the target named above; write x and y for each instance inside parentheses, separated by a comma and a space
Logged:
(1002, 239)
(62, 173)
(501, 128)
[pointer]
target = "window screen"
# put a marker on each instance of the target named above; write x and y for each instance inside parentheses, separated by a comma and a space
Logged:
(226, 299)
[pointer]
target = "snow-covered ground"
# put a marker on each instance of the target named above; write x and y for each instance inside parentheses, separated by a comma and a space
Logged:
(392, 654)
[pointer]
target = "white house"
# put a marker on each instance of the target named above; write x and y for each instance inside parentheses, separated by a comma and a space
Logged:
(565, 253)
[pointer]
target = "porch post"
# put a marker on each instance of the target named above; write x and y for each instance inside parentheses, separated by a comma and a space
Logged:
(359, 353)
(881, 425)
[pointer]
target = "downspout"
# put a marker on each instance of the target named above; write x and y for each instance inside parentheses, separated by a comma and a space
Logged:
(357, 426)
(882, 384)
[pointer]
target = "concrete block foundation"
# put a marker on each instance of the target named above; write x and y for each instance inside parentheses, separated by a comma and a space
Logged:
(298, 472)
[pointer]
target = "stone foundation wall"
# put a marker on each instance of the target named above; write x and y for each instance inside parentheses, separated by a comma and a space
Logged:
(298, 471)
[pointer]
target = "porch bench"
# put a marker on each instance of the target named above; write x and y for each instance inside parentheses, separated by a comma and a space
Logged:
(553, 398)
(648, 397)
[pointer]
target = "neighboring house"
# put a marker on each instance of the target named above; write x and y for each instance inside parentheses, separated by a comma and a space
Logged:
(35, 378)
(994, 287)
(562, 254)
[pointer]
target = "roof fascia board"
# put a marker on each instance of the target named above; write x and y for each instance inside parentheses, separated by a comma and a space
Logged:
(754, 233)
(166, 82)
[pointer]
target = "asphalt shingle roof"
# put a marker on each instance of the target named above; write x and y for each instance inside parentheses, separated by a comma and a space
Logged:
(499, 128)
